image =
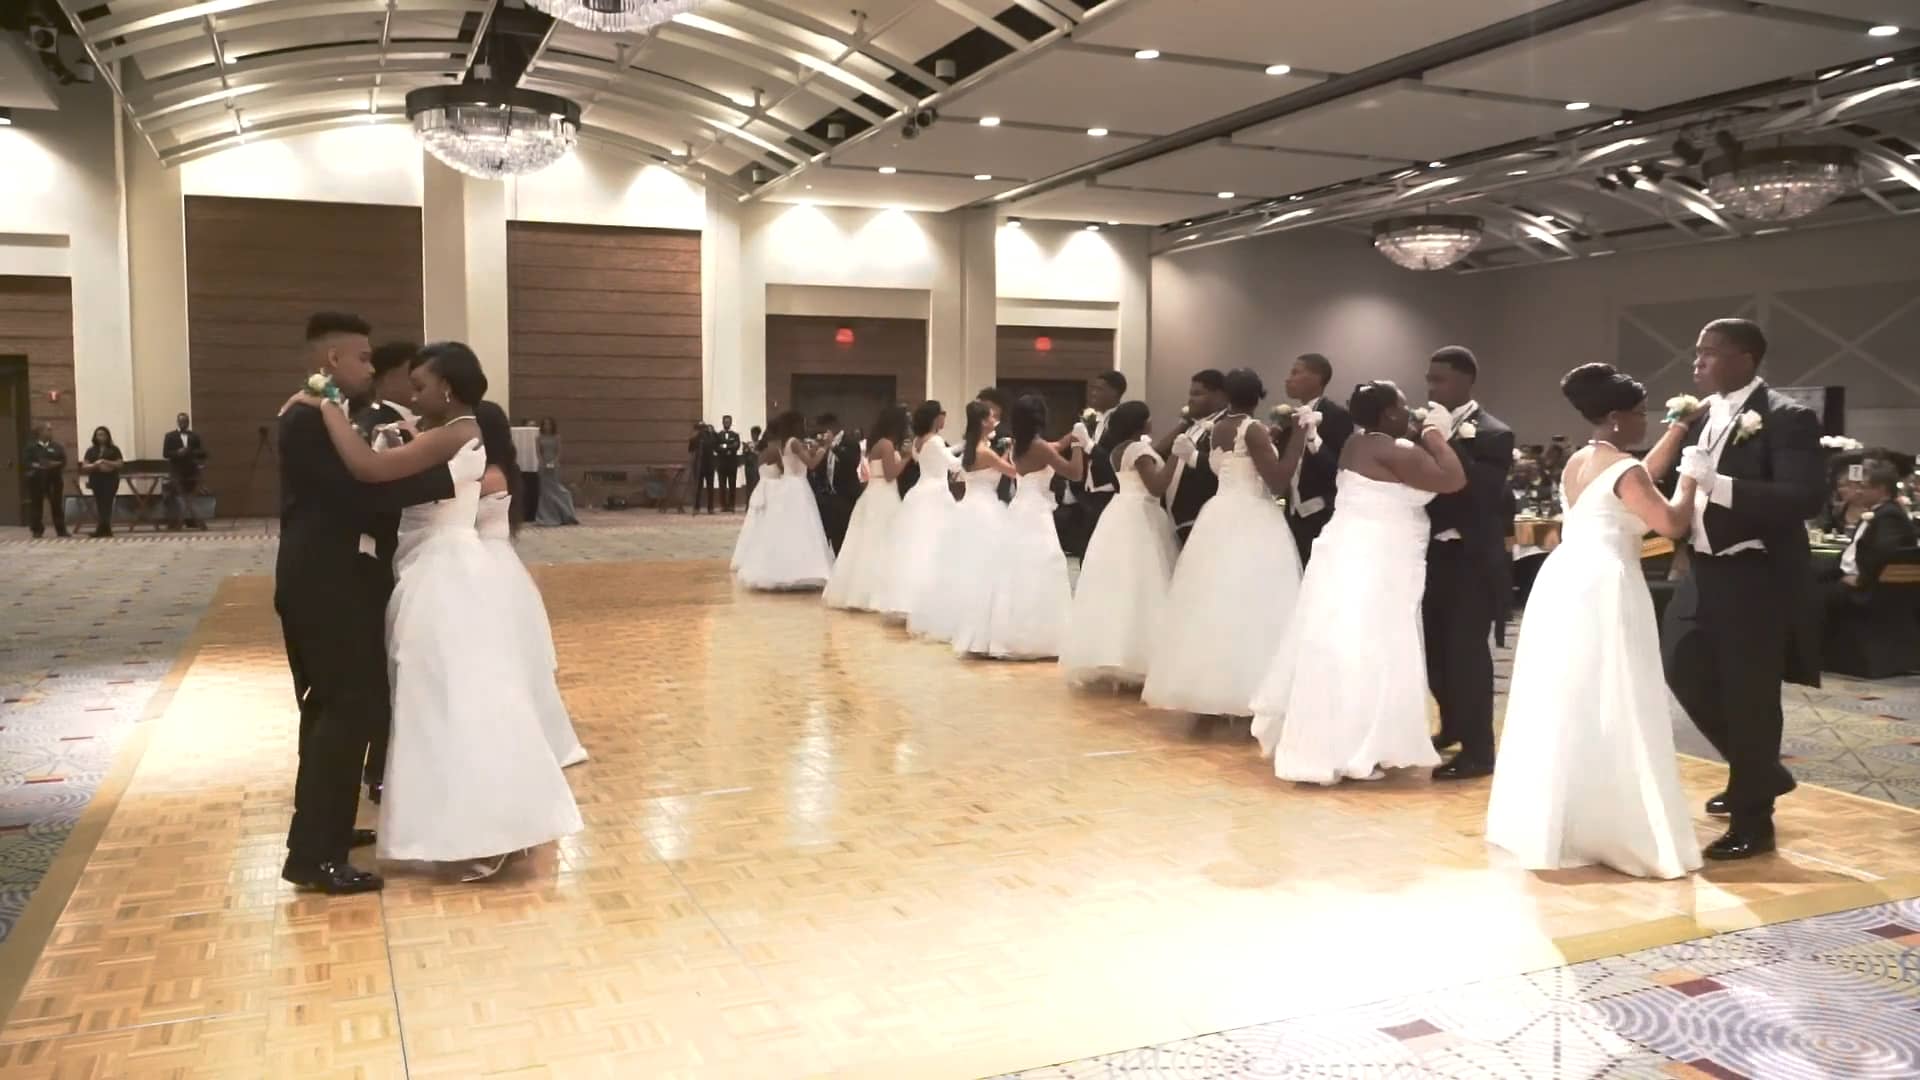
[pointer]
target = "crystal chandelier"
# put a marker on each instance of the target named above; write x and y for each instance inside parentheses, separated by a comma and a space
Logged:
(490, 131)
(1782, 183)
(1428, 241)
(615, 16)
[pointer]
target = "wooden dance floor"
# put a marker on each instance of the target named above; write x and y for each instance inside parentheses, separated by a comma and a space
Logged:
(814, 847)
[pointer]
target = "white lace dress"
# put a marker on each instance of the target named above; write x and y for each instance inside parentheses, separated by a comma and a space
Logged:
(926, 514)
(470, 772)
(1121, 596)
(1232, 595)
(1587, 771)
(536, 632)
(1022, 610)
(1346, 691)
(859, 581)
(963, 567)
(783, 546)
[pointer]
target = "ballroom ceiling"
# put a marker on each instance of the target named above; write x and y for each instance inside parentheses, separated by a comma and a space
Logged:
(1212, 119)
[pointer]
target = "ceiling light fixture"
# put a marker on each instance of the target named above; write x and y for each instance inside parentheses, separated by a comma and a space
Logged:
(1883, 31)
(1013, 223)
(1146, 54)
(983, 176)
(1098, 133)
(1427, 241)
(1093, 228)
(615, 16)
(1279, 69)
(489, 130)
(1883, 61)
(1517, 172)
(6, 116)
(1113, 223)
(1436, 164)
(1579, 106)
(1225, 195)
(1783, 183)
(989, 121)
(888, 170)
(1190, 236)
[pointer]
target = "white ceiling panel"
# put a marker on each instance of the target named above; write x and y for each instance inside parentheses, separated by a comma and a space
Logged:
(925, 29)
(962, 146)
(1303, 33)
(1651, 55)
(1076, 88)
(1244, 170)
(1088, 202)
(903, 191)
(24, 83)
(1409, 122)
(1904, 13)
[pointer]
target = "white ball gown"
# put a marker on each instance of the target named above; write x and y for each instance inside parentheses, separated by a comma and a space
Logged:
(496, 534)
(1231, 598)
(1023, 599)
(470, 773)
(859, 581)
(783, 546)
(961, 573)
(1587, 771)
(1346, 692)
(926, 514)
(1114, 624)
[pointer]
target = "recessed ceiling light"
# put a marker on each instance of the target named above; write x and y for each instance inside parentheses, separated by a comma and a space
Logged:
(1295, 198)
(1113, 223)
(1098, 133)
(1913, 157)
(1517, 172)
(1883, 31)
(1093, 228)
(1436, 164)
(1226, 195)
(1185, 224)
(888, 170)
(1578, 106)
(678, 152)
(1146, 54)
(1883, 61)
(1190, 236)
(1279, 69)
(989, 121)
(983, 176)
(1013, 223)
(6, 117)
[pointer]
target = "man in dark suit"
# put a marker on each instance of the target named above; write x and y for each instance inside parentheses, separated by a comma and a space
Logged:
(1193, 484)
(383, 422)
(1466, 565)
(186, 455)
(1744, 618)
(1002, 408)
(726, 453)
(1884, 528)
(836, 480)
(751, 453)
(330, 589)
(1310, 505)
(1087, 497)
(46, 480)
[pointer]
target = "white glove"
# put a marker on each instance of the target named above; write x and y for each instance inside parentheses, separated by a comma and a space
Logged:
(1696, 463)
(1082, 436)
(469, 465)
(1185, 449)
(1440, 419)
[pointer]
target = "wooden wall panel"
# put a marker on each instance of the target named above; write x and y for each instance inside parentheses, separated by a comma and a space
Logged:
(1078, 353)
(604, 324)
(805, 345)
(36, 321)
(256, 268)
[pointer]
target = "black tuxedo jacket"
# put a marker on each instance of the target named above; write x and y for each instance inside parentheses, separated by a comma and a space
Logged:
(727, 449)
(842, 463)
(1890, 530)
(1479, 512)
(386, 523)
(1320, 469)
(183, 450)
(1197, 482)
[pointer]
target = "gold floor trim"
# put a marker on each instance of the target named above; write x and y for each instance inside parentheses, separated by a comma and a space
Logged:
(814, 847)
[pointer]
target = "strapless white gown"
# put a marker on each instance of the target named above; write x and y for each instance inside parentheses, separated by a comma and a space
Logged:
(536, 632)
(782, 546)
(1121, 597)
(860, 574)
(1586, 772)
(926, 513)
(1021, 611)
(960, 576)
(470, 772)
(1346, 691)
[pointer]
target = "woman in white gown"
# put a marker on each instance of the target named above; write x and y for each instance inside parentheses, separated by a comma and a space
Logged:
(1018, 610)
(1587, 771)
(962, 567)
(926, 513)
(470, 775)
(783, 546)
(1233, 591)
(496, 523)
(859, 581)
(1345, 696)
(1121, 596)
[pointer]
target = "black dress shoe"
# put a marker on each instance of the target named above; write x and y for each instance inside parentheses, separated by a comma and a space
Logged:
(332, 878)
(1739, 844)
(1444, 743)
(364, 837)
(1463, 768)
(1717, 806)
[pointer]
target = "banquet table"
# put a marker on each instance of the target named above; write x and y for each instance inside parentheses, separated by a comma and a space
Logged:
(1534, 536)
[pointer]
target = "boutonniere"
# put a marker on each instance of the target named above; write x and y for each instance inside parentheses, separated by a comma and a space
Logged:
(323, 386)
(1280, 414)
(1747, 426)
(1682, 407)
(1466, 430)
(1089, 418)
(1186, 413)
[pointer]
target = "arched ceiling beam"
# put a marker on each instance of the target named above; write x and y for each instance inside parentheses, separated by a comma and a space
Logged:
(158, 117)
(862, 43)
(610, 79)
(286, 12)
(687, 26)
(319, 62)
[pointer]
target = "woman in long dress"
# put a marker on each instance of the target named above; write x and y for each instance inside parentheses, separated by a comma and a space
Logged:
(963, 553)
(1122, 592)
(783, 546)
(1233, 591)
(926, 513)
(1587, 771)
(556, 501)
(470, 777)
(1345, 696)
(1021, 606)
(497, 521)
(859, 581)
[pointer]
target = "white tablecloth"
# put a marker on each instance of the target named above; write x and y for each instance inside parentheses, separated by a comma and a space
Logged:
(526, 446)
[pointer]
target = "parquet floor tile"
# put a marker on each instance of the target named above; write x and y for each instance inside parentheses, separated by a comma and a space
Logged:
(815, 847)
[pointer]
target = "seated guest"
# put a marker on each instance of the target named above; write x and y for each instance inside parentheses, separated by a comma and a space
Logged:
(1883, 527)
(1869, 631)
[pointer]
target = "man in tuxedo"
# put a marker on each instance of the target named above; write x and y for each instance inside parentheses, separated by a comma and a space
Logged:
(727, 457)
(1089, 496)
(1193, 482)
(1745, 616)
(836, 480)
(1466, 565)
(384, 422)
(1310, 506)
(996, 399)
(185, 455)
(330, 589)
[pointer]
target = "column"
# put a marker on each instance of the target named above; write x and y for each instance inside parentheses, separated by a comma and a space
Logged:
(733, 317)
(463, 234)
(157, 295)
(1133, 338)
(961, 315)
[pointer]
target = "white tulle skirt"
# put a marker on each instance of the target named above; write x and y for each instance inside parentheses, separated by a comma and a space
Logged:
(926, 515)
(536, 650)
(1114, 625)
(860, 574)
(782, 546)
(1587, 771)
(1346, 691)
(1231, 599)
(961, 575)
(470, 772)
(1021, 612)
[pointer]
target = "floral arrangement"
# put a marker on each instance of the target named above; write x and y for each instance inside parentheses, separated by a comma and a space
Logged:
(1681, 407)
(323, 386)
(1841, 442)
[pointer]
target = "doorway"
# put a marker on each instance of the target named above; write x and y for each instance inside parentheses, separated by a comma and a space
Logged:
(1065, 399)
(14, 425)
(855, 399)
